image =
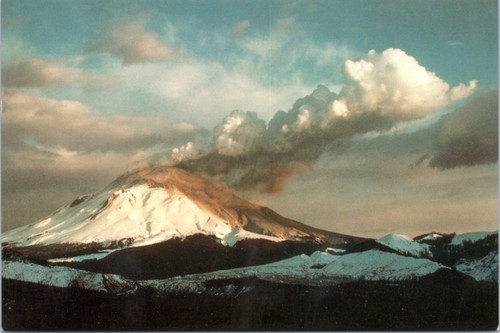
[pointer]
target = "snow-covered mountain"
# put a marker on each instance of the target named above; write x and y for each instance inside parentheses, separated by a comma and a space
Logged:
(324, 268)
(154, 205)
(404, 245)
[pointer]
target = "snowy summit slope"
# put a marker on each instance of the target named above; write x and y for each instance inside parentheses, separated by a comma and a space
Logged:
(158, 204)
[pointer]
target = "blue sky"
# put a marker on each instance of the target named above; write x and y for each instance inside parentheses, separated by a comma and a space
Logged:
(454, 39)
(142, 77)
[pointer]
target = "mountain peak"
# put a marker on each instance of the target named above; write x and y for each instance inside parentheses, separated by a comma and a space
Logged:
(157, 204)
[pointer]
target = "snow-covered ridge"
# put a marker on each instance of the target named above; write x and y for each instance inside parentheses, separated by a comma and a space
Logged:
(319, 268)
(377, 265)
(484, 269)
(403, 244)
(65, 277)
(471, 236)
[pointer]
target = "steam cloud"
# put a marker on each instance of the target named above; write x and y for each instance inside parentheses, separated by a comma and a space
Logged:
(383, 89)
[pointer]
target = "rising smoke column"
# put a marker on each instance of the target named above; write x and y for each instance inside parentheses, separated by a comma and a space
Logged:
(383, 89)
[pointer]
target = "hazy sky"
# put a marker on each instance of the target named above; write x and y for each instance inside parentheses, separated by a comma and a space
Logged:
(390, 119)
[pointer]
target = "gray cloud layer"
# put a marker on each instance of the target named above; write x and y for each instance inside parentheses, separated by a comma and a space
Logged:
(40, 72)
(469, 135)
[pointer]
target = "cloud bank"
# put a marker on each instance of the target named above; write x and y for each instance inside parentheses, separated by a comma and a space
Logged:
(40, 73)
(69, 124)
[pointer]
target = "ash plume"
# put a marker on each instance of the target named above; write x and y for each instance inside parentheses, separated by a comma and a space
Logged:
(383, 89)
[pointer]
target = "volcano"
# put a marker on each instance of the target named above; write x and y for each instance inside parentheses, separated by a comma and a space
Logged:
(158, 213)
(154, 205)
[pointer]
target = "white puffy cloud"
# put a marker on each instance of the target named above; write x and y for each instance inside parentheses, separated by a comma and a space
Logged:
(39, 72)
(131, 43)
(187, 151)
(396, 85)
(463, 91)
(239, 133)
